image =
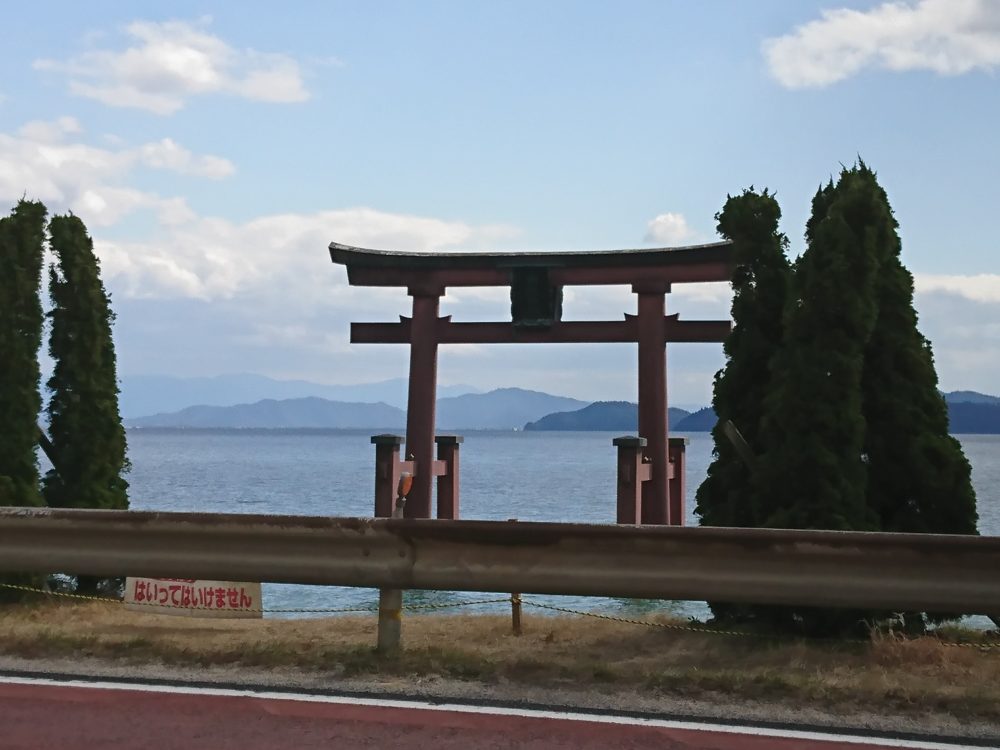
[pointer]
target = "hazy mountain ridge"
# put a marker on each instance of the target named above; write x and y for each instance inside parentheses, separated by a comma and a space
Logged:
(621, 416)
(971, 397)
(143, 395)
(974, 418)
(504, 408)
(501, 409)
(702, 420)
(312, 412)
(969, 413)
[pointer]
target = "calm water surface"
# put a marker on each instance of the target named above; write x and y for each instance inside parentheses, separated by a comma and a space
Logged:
(531, 476)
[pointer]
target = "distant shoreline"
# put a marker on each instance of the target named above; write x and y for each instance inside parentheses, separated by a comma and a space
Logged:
(369, 431)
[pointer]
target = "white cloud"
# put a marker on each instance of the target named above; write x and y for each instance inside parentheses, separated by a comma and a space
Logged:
(47, 161)
(961, 317)
(276, 261)
(669, 229)
(166, 154)
(49, 131)
(948, 37)
(165, 64)
(984, 287)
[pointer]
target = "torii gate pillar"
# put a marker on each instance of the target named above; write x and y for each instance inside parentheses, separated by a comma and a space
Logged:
(653, 400)
(420, 411)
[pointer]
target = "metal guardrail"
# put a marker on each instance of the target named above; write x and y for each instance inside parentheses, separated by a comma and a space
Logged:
(823, 568)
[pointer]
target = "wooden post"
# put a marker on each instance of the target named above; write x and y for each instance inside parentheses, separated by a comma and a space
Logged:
(447, 483)
(631, 474)
(678, 485)
(387, 471)
(515, 613)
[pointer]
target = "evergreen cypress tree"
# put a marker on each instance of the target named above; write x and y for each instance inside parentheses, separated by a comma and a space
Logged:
(22, 240)
(918, 477)
(812, 473)
(760, 285)
(85, 424)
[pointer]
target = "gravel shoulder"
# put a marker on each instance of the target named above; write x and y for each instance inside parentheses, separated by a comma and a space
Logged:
(913, 687)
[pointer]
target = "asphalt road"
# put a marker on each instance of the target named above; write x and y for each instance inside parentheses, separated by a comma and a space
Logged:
(47, 714)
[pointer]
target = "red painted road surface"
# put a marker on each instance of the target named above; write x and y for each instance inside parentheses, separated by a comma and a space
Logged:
(69, 717)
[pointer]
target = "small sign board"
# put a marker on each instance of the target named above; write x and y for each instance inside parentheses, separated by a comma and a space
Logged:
(193, 598)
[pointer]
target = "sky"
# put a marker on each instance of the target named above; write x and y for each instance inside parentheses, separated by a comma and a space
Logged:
(216, 149)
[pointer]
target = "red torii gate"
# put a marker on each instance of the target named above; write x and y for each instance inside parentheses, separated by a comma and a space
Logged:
(536, 281)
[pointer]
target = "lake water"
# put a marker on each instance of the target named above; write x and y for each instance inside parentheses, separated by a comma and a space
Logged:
(531, 476)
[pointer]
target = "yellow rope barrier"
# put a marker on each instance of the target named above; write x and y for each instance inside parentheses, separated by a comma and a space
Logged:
(373, 609)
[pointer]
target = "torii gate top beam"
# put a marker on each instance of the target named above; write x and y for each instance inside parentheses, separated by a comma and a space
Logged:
(664, 265)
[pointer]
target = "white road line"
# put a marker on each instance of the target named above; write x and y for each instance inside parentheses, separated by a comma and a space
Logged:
(491, 710)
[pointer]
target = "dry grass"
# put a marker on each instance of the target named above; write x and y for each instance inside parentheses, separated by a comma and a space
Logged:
(908, 675)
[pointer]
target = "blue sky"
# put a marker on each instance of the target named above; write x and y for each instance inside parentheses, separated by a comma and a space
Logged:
(215, 149)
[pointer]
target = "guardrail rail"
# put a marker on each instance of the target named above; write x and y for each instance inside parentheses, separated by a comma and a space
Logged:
(767, 566)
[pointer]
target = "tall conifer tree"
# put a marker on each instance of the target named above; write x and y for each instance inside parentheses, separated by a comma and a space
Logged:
(814, 471)
(85, 425)
(760, 285)
(812, 474)
(918, 477)
(22, 242)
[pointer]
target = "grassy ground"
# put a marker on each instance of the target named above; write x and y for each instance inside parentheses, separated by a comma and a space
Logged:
(902, 675)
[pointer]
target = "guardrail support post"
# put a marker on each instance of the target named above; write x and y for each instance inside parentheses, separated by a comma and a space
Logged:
(677, 488)
(390, 601)
(390, 620)
(631, 474)
(447, 483)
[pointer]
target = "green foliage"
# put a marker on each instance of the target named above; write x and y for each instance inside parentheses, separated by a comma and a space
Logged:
(22, 238)
(811, 471)
(760, 286)
(918, 477)
(854, 434)
(85, 425)
(22, 241)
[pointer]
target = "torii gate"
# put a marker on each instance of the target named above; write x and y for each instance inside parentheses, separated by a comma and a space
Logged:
(536, 281)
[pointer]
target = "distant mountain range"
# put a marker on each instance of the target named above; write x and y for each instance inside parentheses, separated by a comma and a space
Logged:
(234, 401)
(501, 409)
(971, 418)
(309, 412)
(969, 413)
(157, 394)
(971, 397)
(621, 416)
